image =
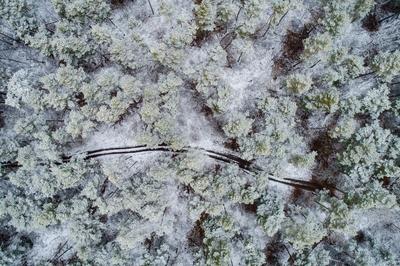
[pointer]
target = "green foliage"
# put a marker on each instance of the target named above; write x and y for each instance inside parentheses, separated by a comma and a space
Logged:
(362, 7)
(228, 183)
(217, 252)
(78, 125)
(62, 86)
(299, 83)
(304, 161)
(44, 177)
(325, 101)
(280, 7)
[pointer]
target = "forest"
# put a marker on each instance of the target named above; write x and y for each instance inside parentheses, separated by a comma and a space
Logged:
(200, 132)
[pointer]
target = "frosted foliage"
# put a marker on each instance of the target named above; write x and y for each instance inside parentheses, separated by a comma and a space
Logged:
(347, 66)
(61, 85)
(340, 13)
(257, 145)
(19, 14)
(342, 213)
(253, 256)
(206, 14)
(337, 17)
(305, 231)
(326, 101)
(317, 44)
(23, 89)
(299, 83)
(344, 129)
(238, 126)
(376, 101)
(312, 257)
(9, 149)
(339, 216)
(387, 65)
(77, 125)
(81, 10)
(27, 214)
(371, 252)
(15, 251)
(368, 153)
(204, 132)
(270, 213)
(373, 196)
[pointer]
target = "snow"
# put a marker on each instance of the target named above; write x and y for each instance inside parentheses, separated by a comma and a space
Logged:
(106, 136)
(373, 217)
(248, 80)
(48, 243)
